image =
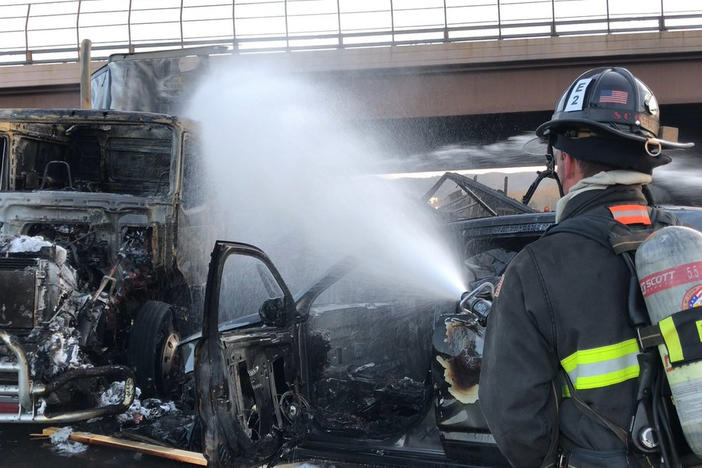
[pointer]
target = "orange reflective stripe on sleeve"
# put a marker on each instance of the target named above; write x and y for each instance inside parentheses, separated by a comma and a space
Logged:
(631, 214)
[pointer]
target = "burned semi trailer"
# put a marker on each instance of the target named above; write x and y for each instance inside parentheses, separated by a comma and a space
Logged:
(98, 233)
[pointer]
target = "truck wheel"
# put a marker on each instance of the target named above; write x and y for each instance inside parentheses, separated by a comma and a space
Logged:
(152, 350)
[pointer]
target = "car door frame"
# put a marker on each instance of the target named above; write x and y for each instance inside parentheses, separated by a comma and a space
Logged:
(219, 390)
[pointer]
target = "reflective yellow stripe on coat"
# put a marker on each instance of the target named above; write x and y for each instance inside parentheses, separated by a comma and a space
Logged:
(603, 366)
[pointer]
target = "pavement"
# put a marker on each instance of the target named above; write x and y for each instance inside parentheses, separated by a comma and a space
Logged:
(19, 450)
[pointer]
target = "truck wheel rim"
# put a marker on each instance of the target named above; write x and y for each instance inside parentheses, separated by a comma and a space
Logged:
(169, 351)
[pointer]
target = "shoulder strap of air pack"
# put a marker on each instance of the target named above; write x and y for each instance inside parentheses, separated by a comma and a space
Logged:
(591, 226)
(623, 230)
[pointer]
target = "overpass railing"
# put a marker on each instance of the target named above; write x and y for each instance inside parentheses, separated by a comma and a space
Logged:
(45, 31)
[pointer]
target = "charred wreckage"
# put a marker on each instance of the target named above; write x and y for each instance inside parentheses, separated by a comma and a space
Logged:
(367, 377)
(92, 284)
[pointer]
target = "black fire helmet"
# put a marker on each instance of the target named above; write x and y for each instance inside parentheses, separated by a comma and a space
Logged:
(609, 116)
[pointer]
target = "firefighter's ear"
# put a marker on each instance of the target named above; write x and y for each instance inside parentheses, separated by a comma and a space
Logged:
(573, 167)
(569, 170)
(568, 162)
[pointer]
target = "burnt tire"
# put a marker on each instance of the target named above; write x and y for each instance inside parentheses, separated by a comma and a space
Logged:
(152, 348)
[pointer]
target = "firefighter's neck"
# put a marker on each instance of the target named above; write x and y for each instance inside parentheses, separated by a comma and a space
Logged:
(600, 181)
(568, 169)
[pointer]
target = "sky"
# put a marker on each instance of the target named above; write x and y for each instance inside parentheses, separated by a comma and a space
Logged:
(262, 24)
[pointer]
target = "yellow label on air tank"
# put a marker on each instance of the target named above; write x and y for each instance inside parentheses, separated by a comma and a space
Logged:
(699, 328)
(671, 338)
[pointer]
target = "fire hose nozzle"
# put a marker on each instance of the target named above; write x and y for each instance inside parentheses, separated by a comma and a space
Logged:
(478, 307)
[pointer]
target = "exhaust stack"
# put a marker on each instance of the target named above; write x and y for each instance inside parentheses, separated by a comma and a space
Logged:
(84, 56)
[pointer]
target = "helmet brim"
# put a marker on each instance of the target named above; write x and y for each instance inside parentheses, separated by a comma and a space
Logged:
(546, 128)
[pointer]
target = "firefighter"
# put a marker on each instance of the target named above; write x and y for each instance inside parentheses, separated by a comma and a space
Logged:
(559, 372)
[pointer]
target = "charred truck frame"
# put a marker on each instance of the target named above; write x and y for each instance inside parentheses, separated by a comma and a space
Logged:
(97, 233)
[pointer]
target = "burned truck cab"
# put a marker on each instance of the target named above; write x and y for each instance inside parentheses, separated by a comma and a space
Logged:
(95, 286)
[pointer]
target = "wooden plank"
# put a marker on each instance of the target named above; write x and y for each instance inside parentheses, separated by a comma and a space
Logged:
(184, 456)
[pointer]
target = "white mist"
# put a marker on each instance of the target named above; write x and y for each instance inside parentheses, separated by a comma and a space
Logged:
(292, 177)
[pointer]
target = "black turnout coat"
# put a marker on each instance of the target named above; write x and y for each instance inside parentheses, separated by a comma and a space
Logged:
(562, 297)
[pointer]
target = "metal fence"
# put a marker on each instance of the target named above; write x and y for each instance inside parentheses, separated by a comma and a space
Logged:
(44, 31)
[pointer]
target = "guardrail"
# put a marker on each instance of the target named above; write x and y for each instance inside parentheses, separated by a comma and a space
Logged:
(46, 31)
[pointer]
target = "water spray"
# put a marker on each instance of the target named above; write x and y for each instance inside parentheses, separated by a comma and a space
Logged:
(286, 171)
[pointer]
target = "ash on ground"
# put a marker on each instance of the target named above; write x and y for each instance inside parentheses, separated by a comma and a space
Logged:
(149, 420)
(141, 411)
(63, 445)
(163, 422)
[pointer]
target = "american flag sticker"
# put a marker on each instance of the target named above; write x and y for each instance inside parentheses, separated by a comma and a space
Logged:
(614, 96)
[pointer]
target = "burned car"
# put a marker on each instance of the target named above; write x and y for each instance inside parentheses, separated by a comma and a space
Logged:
(97, 236)
(391, 382)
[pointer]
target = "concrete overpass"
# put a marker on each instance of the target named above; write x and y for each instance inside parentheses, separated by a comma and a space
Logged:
(434, 80)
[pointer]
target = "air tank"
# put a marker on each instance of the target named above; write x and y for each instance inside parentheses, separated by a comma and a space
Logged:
(669, 268)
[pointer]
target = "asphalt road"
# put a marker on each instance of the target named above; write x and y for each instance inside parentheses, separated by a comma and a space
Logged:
(19, 450)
